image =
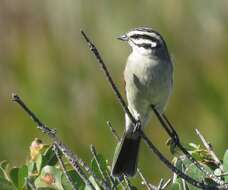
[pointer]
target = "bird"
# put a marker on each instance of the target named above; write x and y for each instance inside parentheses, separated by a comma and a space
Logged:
(148, 77)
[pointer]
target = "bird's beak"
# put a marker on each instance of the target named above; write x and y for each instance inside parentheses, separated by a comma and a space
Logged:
(123, 38)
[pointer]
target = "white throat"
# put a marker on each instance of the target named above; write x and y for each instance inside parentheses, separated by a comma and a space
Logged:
(140, 50)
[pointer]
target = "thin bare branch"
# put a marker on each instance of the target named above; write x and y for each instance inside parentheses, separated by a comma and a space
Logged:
(114, 133)
(223, 174)
(160, 183)
(94, 153)
(30, 184)
(166, 183)
(128, 183)
(145, 182)
(184, 184)
(120, 182)
(62, 165)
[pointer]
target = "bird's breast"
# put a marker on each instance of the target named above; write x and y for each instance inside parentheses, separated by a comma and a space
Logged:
(148, 81)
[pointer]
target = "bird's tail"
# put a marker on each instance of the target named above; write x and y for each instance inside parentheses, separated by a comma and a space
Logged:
(126, 155)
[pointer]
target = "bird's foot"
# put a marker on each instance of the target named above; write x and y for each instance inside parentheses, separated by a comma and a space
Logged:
(175, 138)
(173, 143)
(137, 127)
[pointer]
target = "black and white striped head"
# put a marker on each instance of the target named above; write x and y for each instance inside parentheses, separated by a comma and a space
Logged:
(145, 41)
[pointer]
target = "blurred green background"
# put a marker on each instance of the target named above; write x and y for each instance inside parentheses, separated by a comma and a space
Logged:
(44, 59)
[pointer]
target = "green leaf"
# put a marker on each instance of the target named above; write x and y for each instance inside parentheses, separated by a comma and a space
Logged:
(196, 174)
(6, 185)
(14, 176)
(102, 163)
(225, 164)
(172, 146)
(31, 167)
(3, 169)
(2, 173)
(49, 157)
(50, 177)
(78, 183)
(175, 186)
(194, 146)
(22, 175)
(38, 162)
(18, 176)
(182, 163)
(178, 163)
(178, 182)
(186, 162)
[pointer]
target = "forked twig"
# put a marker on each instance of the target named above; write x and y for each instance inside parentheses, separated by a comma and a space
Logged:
(72, 158)
(173, 134)
(173, 168)
(146, 140)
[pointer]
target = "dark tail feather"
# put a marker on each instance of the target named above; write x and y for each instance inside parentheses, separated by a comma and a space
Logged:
(126, 156)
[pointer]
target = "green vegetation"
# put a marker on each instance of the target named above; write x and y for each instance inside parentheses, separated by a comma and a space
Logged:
(43, 171)
(44, 58)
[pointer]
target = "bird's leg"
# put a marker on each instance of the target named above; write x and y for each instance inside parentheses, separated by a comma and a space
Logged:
(175, 136)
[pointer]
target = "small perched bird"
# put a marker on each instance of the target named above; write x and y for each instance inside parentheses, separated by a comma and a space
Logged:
(148, 77)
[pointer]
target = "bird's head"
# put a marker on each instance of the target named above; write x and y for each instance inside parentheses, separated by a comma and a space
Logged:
(145, 41)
